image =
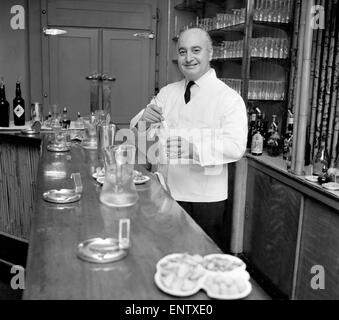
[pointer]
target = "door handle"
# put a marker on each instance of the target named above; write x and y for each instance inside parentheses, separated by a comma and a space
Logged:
(53, 31)
(146, 35)
(100, 77)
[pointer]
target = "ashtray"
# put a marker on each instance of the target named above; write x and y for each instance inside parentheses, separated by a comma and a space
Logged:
(99, 250)
(61, 196)
(331, 186)
(57, 148)
(29, 131)
(312, 178)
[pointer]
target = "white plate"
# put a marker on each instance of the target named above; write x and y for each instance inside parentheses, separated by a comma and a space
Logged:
(101, 180)
(237, 274)
(141, 180)
(312, 178)
(331, 186)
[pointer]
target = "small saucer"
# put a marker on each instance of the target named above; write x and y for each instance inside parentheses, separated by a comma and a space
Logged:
(312, 178)
(29, 131)
(331, 186)
(141, 180)
(57, 148)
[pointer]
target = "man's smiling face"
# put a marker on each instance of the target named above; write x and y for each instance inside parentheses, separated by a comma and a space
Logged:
(194, 53)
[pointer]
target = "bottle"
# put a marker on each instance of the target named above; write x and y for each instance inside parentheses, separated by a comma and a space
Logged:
(289, 134)
(65, 122)
(273, 142)
(251, 127)
(18, 106)
(4, 106)
(257, 144)
(321, 161)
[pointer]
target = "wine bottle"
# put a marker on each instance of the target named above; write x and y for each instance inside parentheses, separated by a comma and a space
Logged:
(321, 161)
(18, 107)
(288, 135)
(251, 128)
(4, 106)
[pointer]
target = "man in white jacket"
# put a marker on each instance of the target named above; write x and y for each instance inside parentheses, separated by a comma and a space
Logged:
(209, 123)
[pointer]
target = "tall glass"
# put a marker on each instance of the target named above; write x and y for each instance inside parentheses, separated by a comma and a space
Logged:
(119, 189)
(90, 140)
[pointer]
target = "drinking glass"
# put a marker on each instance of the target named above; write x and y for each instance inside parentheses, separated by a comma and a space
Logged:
(90, 140)
(118, 189)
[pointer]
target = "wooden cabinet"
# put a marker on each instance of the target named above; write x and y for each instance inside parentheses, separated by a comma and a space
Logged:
(107, 37)
(271, 228)
(290, 227)
(319, 247)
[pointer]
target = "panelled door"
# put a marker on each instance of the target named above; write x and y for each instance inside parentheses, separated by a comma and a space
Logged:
(122, 48)
(72, 56)
(129, 58)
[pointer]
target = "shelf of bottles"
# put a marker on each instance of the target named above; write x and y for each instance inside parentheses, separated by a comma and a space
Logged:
(264, 90)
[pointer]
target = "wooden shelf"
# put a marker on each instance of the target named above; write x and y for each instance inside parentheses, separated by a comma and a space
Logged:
(194, 6)
(286, 26)
(220, 32)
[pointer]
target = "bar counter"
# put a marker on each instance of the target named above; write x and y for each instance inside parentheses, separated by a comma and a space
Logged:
(159, 226)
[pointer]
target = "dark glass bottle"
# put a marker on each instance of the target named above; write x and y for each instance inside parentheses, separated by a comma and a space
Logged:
(288, 136)
(321, 161)
(251, 127)
(65, 122)
(18, 107)
(274, 141)
(4, 106)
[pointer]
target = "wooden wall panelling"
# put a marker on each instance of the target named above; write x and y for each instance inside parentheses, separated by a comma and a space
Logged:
(18, 170)
(271, 228)
(106, 14)
(319, 246)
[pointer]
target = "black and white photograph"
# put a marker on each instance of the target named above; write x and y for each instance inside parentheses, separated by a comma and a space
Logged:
(171, 156)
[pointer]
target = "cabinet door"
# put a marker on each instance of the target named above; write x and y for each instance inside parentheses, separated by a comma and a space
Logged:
(271, 228)
(72, 56)
(131, 60)
(318, 250)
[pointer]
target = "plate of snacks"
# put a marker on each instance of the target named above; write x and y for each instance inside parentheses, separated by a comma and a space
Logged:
(179, 274)
(221, 276)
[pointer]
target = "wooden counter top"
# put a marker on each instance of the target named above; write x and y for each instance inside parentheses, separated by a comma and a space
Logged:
(159, 226)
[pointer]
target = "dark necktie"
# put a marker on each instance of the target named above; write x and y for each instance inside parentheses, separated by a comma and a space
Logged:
(188, 91)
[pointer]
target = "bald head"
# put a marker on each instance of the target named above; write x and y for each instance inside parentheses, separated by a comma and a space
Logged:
(197, 31)
(194, 53)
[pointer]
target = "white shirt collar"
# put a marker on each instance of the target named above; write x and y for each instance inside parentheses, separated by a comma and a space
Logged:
(204, 79)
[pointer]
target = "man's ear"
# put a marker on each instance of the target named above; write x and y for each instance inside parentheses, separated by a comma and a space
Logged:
(211, 54)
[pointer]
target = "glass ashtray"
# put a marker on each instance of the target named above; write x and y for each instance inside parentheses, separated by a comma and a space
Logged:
(61, 196)
(29, 131)
(57, 148)
(99, 250)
